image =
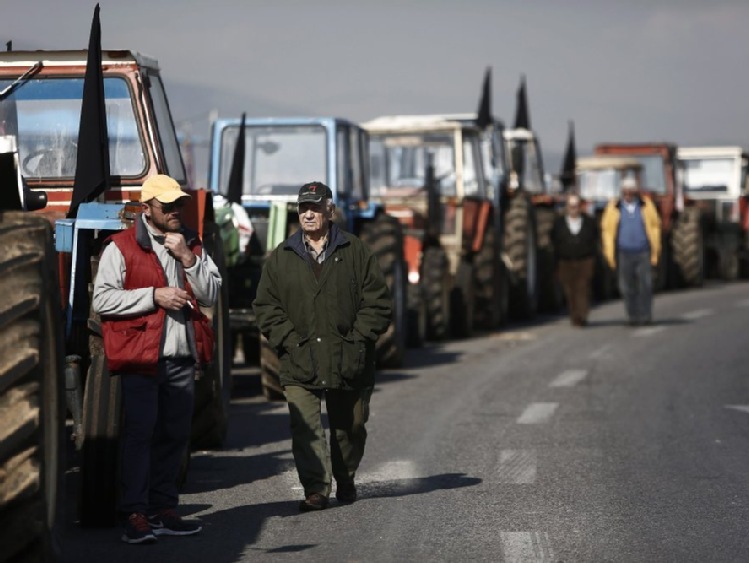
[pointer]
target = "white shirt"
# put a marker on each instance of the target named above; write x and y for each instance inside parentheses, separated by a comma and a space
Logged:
(574, 224)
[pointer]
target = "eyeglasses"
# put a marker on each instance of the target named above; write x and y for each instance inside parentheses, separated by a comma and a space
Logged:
(170, 207)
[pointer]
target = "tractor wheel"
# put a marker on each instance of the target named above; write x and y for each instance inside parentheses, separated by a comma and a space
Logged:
(101, 442)
(487, 277)
(417, 317)
(522, 253)
(462, 302)
(435, 282)
(550, 294)
(269, 372)
(32, 394)
(604, 279)
(213, 388)
(688, 251)
(384, 236)
(730, 260)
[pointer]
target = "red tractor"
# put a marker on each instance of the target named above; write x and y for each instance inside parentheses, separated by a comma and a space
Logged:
(682, 261)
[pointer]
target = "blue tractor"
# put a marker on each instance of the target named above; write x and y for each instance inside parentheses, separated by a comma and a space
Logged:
(280, 155)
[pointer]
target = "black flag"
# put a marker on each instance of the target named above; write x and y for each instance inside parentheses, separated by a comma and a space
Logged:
(522, 118)
(567, 173)
(92, 164)
(484, 113)
(236, 176)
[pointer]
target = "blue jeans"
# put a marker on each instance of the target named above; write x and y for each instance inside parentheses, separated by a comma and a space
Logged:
(636, 285)
(155, 434)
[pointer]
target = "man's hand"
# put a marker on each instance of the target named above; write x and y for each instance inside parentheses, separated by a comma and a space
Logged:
(175, 243)
(172, 298)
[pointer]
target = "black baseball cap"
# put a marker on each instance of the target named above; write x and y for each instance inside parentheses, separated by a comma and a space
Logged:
(314, 192)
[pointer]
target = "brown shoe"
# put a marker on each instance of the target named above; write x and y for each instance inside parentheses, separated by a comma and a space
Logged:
(314, 501)
(346, 493)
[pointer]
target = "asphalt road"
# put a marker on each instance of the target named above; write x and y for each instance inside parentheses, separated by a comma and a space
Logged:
(537, 443)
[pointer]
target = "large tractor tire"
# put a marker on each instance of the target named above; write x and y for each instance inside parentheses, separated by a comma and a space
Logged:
(462, 300)
(384, 236)
(688, 249)
(605, 285)
(730, 240)
(213, 388)
(522, 252)
(417, 317)
(550, 294)
(435, 282)
(100, 465)
(102, 423)
(269, 372)
(32, 393)
(487, 279)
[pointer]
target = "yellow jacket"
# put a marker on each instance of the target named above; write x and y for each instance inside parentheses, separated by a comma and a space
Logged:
(610, 229)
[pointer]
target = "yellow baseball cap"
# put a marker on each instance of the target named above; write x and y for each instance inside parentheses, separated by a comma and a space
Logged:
(163, 188)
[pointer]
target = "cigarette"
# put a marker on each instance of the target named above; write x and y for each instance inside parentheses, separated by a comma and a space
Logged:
(189, 304)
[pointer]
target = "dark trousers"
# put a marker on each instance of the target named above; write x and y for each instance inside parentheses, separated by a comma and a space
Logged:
(348, 412)
(155, 434)
(636, 285)
(575, 277)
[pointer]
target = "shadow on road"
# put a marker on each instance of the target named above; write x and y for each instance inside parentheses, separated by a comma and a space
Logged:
(230, 546)
(415, 486)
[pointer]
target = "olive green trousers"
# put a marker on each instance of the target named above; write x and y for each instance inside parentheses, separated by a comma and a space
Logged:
(348, 412)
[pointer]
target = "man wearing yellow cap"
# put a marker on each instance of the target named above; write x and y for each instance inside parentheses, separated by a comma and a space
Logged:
(151, 280)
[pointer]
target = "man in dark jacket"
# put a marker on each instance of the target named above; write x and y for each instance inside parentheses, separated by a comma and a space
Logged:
(574, 237)
(150, 281)
(322, 302)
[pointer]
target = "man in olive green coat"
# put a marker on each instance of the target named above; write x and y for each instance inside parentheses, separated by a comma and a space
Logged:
(321, 303)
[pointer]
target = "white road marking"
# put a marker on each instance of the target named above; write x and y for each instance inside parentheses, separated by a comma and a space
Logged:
(601, 351)
(742, 408)
(517, 467)
(569, 378)
(648, 331)
(698, 314)
(515, 336)
(526, 547)
(537, 413)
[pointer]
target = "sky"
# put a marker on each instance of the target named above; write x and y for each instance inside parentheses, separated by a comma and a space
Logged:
(634, 70)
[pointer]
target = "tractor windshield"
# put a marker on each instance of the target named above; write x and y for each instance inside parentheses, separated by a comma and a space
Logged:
(653, 173)
(711, 175)
(599, 185)
(400, 162)
(278, 159)
(45, 115)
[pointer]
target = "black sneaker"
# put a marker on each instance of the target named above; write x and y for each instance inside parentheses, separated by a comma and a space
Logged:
(346, 493)
(313, 501)
(138, 530)
(167, 523)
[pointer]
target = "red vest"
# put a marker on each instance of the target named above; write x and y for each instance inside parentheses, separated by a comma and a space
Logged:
(133, 344)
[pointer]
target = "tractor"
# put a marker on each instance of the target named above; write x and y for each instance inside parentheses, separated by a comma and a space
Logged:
(682, 262)
(716, 179)
(276, 157)
(429, 172)
(598, 180)
(52, 105)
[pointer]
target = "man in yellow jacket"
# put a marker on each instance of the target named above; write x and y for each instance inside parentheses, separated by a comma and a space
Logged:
(631, 240)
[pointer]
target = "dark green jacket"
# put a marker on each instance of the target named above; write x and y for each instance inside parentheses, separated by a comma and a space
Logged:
(323, 330)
